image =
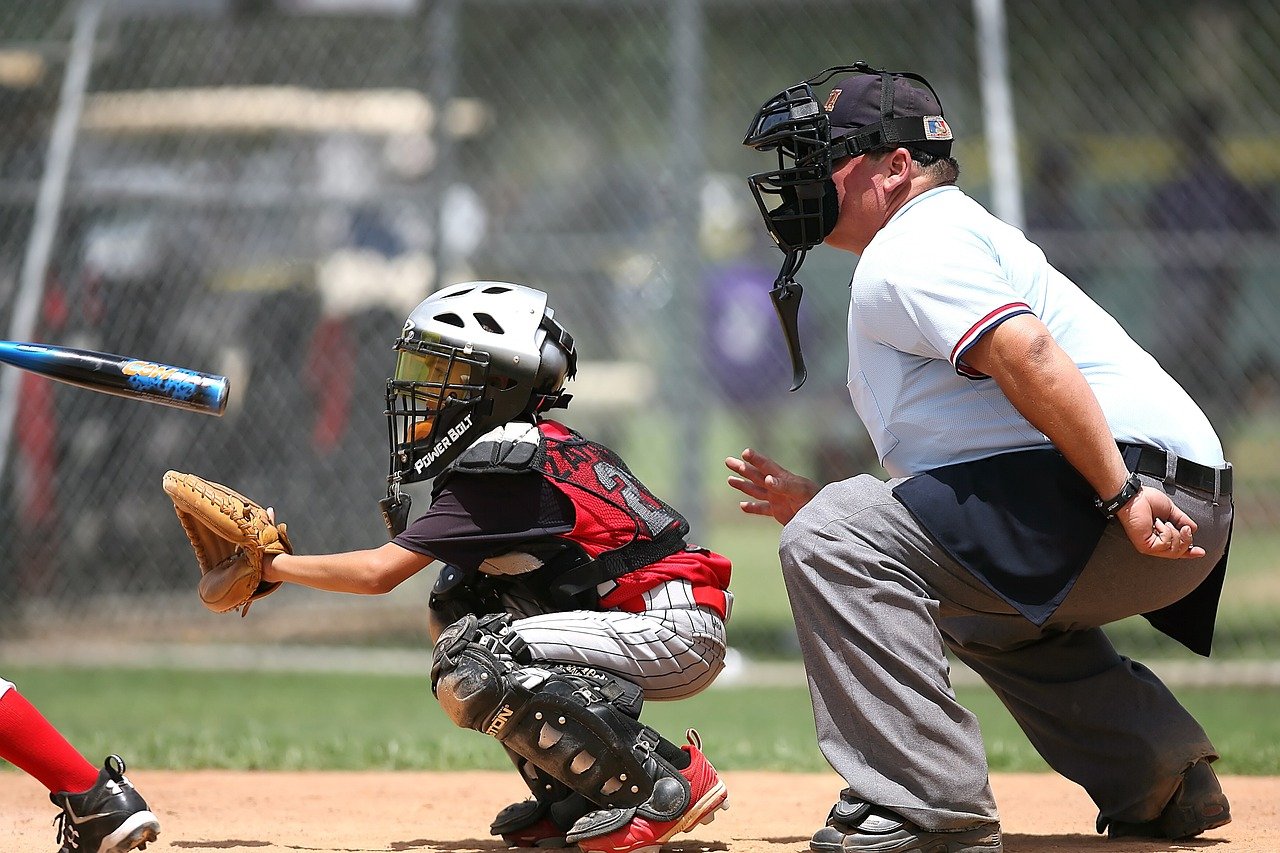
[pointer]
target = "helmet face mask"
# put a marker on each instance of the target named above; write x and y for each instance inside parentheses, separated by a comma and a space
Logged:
(434, 391)
(471, 357)
(791, 122)
(799, 203)
(798, 199)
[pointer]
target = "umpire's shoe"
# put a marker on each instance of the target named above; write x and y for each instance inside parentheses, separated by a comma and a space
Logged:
(864, 828)
(1198, 805)
(110, 817)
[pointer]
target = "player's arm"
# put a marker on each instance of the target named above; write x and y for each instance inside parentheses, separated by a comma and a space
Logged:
(1047, 388)
(370, 572)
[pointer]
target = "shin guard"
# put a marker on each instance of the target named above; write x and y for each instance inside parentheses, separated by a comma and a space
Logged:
(576, 724)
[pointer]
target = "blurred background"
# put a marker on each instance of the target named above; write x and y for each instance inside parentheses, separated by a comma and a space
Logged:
(264, 188)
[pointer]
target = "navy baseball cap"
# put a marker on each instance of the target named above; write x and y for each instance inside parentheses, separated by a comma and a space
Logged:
(863, 101)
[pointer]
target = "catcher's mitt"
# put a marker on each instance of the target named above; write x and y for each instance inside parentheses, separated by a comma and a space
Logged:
(230, 534)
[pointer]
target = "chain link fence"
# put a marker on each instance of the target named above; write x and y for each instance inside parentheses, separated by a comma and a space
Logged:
(264, 189)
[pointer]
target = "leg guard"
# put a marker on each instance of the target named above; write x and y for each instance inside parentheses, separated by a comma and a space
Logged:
(576, 724)
(553, 802)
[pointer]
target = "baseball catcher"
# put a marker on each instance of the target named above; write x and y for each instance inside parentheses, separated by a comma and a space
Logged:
(569, 593)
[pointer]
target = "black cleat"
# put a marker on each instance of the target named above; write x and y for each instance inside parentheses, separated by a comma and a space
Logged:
(110, 817)
(865, 828)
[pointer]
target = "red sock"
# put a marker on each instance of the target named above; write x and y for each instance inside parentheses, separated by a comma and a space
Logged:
(31, 743)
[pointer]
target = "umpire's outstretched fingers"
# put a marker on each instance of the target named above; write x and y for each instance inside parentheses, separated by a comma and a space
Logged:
(774, 491)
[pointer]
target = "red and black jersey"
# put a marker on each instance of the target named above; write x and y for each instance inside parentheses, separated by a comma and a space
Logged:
(604, 537)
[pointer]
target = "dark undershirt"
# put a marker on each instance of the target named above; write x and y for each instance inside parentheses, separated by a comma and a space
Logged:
(476, 516)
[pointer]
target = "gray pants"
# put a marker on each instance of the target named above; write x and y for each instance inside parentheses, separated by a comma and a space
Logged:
(876, 603)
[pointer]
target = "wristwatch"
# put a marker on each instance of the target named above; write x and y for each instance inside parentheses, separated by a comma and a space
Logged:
(1128, 492)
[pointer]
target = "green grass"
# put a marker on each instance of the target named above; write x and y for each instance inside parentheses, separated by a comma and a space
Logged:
(235, 720)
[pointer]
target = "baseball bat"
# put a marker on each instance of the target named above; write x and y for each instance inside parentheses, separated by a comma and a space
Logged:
(123, 376)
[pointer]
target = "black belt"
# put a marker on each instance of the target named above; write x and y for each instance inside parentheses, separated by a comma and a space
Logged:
(1153, 462)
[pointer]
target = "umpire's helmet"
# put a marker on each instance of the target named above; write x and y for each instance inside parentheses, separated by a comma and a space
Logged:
(471, 357)
(868, 110)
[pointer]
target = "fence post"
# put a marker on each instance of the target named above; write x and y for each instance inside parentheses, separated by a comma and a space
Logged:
(442, 46)
(53, 184)
(997, 111)
(686, 270)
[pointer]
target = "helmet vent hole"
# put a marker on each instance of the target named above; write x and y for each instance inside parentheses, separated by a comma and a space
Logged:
(502, 383)
(451, 319)
(496, 290)
(489, 324)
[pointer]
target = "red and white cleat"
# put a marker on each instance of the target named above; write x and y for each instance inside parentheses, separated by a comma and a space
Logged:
(707, 795)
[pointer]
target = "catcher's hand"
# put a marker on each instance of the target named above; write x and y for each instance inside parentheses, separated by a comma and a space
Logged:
(229, 534)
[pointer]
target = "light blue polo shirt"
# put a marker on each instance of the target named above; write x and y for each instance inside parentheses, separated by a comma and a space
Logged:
(942, 272)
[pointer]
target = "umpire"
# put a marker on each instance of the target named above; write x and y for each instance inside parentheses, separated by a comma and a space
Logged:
(1048, 477)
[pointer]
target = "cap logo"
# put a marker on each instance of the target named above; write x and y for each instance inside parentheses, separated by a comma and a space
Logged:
(935, 127)
(831, 100)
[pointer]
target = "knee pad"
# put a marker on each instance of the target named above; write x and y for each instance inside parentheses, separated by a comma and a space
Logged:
(470, 667)
(479, 660)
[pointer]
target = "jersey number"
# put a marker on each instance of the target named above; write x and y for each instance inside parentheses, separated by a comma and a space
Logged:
(614, 479)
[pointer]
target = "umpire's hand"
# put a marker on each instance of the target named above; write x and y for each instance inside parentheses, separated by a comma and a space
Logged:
(1157, 527)
(774, 490)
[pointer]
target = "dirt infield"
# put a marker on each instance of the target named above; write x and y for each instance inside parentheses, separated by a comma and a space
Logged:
(361, 812)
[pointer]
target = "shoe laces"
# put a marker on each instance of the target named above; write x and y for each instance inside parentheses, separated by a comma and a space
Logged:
(68, 835)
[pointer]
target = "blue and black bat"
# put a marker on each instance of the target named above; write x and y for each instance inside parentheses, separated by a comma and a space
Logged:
(122, 376)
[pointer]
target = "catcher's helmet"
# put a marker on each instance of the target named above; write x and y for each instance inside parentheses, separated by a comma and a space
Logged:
(471, 357)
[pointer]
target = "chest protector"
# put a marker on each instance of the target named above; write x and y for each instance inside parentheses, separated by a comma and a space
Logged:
(619, 525)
